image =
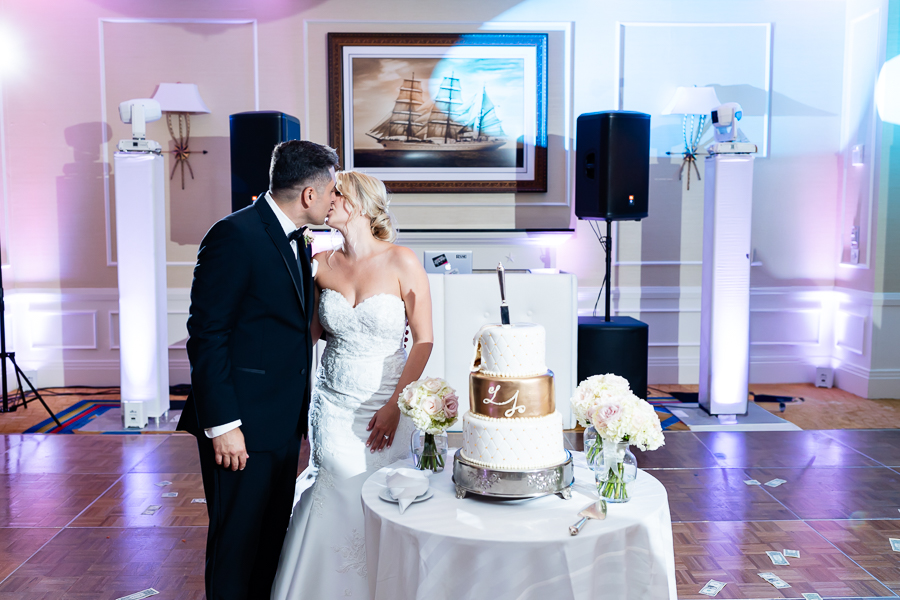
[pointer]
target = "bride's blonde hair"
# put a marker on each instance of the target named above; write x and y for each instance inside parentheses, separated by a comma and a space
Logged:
(367, 196)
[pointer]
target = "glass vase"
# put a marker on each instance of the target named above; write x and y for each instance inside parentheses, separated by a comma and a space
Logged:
(614, 467)
(429, 450)
(590, 438)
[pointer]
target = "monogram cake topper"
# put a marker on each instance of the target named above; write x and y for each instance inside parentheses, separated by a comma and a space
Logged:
(492, 390)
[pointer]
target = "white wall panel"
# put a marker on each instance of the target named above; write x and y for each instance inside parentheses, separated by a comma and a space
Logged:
(850, 332)
(63, 330)
(784, 327)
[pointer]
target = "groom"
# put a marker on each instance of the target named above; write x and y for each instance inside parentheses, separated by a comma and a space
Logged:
(250, 355)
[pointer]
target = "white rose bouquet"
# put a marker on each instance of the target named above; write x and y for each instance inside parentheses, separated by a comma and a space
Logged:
(433, 406)
(606, 403)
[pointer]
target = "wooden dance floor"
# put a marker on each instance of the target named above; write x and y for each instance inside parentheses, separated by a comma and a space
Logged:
(72, 522)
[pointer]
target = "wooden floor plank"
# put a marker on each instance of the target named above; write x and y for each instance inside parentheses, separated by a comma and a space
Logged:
(123, 504)
(78, 453)
(867, 543)
(18, 544)
(735, 552)
(108, 563)
(48, 499)
(838, 508)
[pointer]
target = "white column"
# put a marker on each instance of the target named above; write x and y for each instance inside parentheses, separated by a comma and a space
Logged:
(725, 296)
(141, 257)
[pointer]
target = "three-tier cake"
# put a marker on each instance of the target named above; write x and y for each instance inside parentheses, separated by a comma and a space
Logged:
(512, 423)
(512, 435)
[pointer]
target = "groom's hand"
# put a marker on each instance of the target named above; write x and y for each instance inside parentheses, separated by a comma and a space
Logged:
(231, 452)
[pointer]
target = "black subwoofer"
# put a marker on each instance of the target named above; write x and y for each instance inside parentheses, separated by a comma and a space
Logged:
(612, 177)
(618, 346)
(253, 137)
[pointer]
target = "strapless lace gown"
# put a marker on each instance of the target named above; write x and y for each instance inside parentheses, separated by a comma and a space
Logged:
(324, 553)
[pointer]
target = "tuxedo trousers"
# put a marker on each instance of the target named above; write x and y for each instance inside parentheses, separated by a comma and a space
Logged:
(249, 513)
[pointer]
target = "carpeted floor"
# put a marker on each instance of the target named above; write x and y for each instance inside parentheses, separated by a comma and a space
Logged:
(61, 401)
(79, 414)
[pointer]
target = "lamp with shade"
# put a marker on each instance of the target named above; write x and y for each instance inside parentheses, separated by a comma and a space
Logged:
(180, 100)
(690, 102)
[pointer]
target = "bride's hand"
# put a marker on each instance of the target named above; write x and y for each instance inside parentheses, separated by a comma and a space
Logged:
(383, 427)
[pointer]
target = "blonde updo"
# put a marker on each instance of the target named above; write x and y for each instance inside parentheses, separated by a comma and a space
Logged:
(366, 195)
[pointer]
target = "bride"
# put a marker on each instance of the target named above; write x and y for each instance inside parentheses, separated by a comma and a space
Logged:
(366, 293)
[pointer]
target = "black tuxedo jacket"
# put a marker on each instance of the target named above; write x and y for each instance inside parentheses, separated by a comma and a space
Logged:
(249, 331)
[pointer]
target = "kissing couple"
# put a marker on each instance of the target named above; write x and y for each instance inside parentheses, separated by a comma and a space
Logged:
(259, 302)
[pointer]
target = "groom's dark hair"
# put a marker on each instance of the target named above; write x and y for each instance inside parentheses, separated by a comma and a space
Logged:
(298, 164)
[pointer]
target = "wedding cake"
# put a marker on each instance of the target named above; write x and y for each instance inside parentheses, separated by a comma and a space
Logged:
(512, 423)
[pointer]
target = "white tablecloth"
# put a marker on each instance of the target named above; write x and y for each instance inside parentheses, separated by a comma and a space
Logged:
(476, 548)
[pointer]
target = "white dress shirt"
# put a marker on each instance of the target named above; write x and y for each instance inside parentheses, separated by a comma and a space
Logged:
(288, 227)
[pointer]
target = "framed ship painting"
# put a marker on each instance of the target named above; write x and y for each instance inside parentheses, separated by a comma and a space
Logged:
(441, 112)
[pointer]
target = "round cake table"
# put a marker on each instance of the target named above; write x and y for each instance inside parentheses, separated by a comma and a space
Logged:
(474, 548)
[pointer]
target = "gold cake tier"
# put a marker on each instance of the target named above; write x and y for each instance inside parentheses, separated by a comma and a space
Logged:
(511, 397)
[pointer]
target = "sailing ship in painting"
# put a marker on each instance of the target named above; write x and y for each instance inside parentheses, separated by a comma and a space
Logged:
(443, 125)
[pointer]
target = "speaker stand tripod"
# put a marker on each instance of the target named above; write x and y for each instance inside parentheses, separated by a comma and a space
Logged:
(20, 396)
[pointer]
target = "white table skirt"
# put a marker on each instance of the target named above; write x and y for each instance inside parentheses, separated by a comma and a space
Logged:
(475, 548)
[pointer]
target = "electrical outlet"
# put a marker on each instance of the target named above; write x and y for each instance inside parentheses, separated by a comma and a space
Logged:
(858, 155)
(854, 235)
(854, 256)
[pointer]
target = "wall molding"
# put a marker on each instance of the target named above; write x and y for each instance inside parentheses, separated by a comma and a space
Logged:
(871, 156)
(868, 383)
(104, 149)
(61, 315)
(808, 336)
(802, 335)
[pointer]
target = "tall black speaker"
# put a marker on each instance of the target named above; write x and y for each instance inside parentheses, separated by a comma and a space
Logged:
(612, 177)
(253, 137)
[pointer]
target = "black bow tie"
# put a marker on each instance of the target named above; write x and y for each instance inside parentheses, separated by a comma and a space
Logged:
(296, 234)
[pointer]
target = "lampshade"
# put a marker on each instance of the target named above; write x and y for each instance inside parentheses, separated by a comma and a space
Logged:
(887, 91)
(180, 97)
(690, 101)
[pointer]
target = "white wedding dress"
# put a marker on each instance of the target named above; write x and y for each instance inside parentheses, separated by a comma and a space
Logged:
(324, 553)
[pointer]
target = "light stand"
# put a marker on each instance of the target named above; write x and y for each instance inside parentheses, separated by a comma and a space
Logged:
(20, 376)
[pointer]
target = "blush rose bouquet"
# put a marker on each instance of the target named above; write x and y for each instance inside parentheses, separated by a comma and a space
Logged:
(607, 408)
(433, 406)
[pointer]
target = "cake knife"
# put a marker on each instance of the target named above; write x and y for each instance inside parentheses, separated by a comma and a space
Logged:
(597, 510)
(504, 308)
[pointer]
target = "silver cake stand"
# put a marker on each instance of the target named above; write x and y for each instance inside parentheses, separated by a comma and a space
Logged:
(470, 478)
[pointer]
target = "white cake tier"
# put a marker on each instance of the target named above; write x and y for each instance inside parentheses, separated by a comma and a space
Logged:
(516, 350)
(513, 444)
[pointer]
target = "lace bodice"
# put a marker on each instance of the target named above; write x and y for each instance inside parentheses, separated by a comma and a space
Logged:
(372, 328)
(364, 353)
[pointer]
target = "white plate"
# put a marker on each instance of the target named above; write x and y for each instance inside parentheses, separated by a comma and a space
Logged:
(386, 496)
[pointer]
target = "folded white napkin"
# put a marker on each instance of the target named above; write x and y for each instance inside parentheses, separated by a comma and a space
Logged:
(405, 485)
